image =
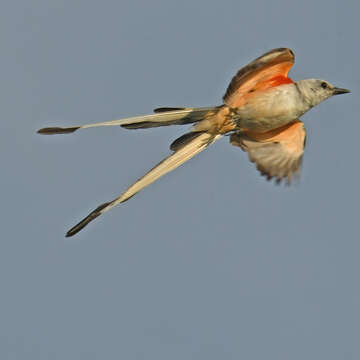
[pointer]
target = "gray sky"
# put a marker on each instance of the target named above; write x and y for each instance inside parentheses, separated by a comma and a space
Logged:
(210, 262)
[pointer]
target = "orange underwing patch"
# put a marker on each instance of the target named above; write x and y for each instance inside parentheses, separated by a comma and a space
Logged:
(272, 82)
(250, 90)
(280, 80)
(267, 71)
(282, 133)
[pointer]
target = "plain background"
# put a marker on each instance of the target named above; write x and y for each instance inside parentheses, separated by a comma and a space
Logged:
(210, 262)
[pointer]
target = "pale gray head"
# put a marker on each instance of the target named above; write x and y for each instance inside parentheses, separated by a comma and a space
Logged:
(315, 91)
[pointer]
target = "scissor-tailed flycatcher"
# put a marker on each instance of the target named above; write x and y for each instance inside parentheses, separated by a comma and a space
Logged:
(260, 112)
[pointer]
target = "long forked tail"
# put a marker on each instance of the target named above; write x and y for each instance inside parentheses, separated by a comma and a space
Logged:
(161, 117)
(190, 147)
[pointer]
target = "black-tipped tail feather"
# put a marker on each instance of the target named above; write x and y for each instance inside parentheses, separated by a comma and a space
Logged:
(171, 116)
(186, 147)
(161, 117)
(57, 130)
(93, 215)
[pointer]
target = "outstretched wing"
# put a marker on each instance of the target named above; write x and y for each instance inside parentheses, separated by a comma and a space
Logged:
(277, 153)
(268, 70)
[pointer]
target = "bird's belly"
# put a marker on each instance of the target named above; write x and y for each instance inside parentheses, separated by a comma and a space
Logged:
(266, 112)
(264, 122)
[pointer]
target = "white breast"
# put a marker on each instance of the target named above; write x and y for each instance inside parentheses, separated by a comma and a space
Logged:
(272, 108)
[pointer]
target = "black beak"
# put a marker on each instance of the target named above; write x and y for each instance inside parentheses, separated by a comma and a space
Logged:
(339, 91)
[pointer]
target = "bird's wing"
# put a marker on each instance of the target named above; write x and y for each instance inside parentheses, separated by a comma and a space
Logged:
(268, 70)
(184, 149)
(277, 153)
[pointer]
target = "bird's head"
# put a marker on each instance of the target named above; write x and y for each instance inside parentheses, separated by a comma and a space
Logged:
(315, 90)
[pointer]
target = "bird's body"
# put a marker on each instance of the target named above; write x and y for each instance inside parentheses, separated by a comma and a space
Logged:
(271, 109)
(265, 111)
(261, 109)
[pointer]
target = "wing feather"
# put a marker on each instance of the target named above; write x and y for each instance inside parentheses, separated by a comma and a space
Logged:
(277, 153)
(268, 70)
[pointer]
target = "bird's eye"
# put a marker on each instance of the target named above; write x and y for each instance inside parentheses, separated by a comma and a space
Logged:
(324, 85)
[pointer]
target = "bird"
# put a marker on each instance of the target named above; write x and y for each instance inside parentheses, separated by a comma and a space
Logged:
(260, 114)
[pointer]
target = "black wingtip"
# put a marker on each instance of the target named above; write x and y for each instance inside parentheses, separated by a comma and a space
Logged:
(57, 130)
(93, 215)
